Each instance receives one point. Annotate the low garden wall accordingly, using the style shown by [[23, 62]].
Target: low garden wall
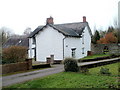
[[98, 64], [46, 65], [14, 67], [51, 60], [71, 64], [100, 48]]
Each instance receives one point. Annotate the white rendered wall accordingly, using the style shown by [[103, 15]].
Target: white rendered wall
[[72, 42], [49, 41], [87, 41], [77, 43]]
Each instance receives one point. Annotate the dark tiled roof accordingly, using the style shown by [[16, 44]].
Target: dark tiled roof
[[16, 41], [65, 31], [69, 29], [36, 31]]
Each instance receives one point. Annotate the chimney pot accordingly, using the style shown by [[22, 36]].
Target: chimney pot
[[49, 20], [84, 18]]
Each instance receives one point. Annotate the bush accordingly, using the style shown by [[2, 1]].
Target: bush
[[84, 70], [104, 71], [70, 64], [113, 55], [14, 54]]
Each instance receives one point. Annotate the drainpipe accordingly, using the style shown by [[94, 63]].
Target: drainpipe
[[35, 48], [63, 46]]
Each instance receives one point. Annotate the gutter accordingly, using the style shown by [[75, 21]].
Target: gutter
[[63, 47]]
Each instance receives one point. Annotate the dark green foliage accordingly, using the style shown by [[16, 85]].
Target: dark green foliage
[[102, 33], [110, 29], [95, 37], [104, 71], [6, 62], [70, 64], [112, 86], [84, 70], [41, 66], [114, 55]]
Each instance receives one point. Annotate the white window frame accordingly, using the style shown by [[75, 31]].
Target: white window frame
[[73, 52], [82, 39], [83, 50]]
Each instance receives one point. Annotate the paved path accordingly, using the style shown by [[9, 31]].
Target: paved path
[[17, 78], [93, 62]]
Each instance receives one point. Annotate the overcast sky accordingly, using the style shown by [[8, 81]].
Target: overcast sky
[[20, 14]]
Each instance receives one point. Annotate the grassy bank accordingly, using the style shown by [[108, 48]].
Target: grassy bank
[[95, 56], [113, 68], [75, 80]]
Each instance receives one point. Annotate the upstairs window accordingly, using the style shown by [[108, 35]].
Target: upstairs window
[[82, 50], [82, 39], [34, 41]]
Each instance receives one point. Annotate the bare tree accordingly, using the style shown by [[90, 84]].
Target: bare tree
[[27, 31], [5, 33]]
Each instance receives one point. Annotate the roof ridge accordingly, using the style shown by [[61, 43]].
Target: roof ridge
[[71, 29], [71, 23]]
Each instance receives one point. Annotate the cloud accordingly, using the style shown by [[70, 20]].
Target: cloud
[[20, 14]]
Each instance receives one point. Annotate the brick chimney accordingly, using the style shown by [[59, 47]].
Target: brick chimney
[[84, 18], [49, 20]]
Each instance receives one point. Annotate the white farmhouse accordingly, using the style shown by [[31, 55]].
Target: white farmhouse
[[60, 40]]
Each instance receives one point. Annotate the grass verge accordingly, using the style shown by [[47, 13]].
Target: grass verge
[[113, 68], [75, 80], [95, 56]]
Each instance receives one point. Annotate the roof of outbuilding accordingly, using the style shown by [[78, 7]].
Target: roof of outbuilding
[[16, 41], [68, 29]]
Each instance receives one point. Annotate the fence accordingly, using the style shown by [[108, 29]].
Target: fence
[[14, 67]]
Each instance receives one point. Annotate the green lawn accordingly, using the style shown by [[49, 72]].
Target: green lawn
[[95, 56], [75, 80], [113, 68]]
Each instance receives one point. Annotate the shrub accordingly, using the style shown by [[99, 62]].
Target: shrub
[[70, 64], [104, 71], [84, 70], [113, 55], [14, 54]]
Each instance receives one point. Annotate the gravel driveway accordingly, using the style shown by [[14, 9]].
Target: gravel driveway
[[17, 78]]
